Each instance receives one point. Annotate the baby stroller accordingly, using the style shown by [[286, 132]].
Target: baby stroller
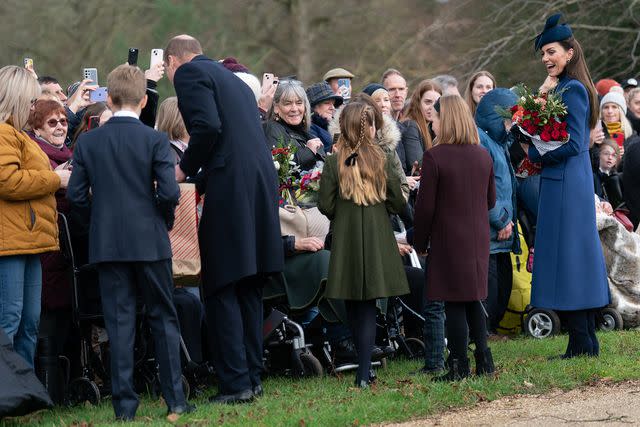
[[93, 381], [536, 322]]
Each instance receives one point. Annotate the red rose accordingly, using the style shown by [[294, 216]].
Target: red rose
[[534, 114], [537, 121], [545, 136], [514, 108], [527, 123], [563, 135], [555, 134]]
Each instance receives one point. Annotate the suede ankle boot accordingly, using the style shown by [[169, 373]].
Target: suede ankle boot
[[458, 370], [484, 362]]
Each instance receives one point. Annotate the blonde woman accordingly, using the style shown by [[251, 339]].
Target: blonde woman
[[451, 215], [613, 113], [480, 83], [358, 190], [28, 217], [170, 121]]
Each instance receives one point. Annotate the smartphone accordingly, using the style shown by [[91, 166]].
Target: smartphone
[[157, 56], [28, 62], [94, 122], [268, 79], [98, 95], [133, 56], [344, 88], [91, 74], [67, 165]]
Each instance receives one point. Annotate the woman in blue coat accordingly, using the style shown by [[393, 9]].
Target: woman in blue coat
[[569, 273]]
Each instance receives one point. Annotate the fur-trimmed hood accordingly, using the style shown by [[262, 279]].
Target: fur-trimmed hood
[[388, 137]]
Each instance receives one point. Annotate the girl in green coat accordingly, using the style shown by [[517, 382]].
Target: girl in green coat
[[358, 190]]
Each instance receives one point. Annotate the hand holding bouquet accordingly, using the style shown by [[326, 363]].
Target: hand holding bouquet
[[541, 117]]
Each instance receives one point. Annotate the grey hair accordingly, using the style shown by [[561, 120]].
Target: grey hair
[[287, 90], [446, 81]]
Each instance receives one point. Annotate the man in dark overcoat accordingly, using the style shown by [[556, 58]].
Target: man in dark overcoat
[[239, 233]]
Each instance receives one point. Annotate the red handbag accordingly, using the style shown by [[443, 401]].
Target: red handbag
[[621, 216]]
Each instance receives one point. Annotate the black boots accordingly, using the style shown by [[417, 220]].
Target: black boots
[[484, 362], [458, 370], [459, 367]]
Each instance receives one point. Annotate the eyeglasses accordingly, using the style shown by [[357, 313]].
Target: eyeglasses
[[54, 123]]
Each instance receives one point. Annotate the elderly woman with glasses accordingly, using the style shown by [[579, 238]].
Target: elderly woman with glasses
[[27, 211], [288, 123]]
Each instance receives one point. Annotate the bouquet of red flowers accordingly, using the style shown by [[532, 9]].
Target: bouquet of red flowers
[[541, 117], [309, 187], [288, 172]]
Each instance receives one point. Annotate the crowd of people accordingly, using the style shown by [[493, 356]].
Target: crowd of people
[[437, 160]]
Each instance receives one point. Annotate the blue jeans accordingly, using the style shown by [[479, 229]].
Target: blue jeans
[[20, 289]]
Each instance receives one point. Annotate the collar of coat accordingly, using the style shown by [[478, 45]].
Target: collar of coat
[[388, 137]]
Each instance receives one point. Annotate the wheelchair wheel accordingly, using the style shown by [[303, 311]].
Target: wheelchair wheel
[[311, 365], [415, 348], [83, 390], [542, 323], [610, 320]]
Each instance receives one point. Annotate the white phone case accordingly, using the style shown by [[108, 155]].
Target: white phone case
[[156, 57], [92, 74]]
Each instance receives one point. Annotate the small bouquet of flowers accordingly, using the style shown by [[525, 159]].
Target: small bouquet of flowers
[[309, 186], [288, 172], [541, 117]]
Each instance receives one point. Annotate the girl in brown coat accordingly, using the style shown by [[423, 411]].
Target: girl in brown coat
[[457, 190]]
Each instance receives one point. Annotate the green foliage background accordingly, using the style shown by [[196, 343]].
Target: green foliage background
[[305, 38]]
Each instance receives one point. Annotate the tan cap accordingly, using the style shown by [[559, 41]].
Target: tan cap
[[337, 73]]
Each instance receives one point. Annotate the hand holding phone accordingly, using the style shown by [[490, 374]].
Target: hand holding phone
[[344, 88], [28, 64]]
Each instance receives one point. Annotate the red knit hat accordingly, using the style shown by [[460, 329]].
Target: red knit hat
[[604, 86], [234, 66]]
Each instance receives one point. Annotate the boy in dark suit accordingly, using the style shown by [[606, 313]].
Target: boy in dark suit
[[125, 171]]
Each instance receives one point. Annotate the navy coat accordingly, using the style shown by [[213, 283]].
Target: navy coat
[[240, 230], [495, 139], [119, 163], [569, 272]]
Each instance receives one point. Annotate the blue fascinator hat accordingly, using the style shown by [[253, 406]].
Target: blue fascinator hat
[[553, 31]]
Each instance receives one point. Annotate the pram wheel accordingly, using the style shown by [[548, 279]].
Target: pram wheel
[[610, 319], [83, 390], [415, 348], [542, 323], [311, 366]]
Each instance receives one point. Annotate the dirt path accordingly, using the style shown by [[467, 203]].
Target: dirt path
[[602, 404]]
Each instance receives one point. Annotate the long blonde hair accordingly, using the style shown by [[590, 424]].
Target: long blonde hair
[[364, 181], [456, 124], [18, 90], [170, 120]]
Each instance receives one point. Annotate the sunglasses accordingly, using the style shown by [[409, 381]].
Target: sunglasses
[[54, 123]]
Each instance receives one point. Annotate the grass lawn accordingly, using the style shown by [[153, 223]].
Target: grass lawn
[[398, 396]]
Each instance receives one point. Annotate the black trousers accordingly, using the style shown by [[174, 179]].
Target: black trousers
[[234, 319], [119, 285], [464, 320], [581, 325], [499, 291]]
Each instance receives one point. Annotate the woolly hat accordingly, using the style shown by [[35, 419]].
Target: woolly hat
[[251, 81], [630, 83], [233, 65], [372, 88], [604, 85], [320, 92], [616, 98], [553, 31], [337, 73]]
